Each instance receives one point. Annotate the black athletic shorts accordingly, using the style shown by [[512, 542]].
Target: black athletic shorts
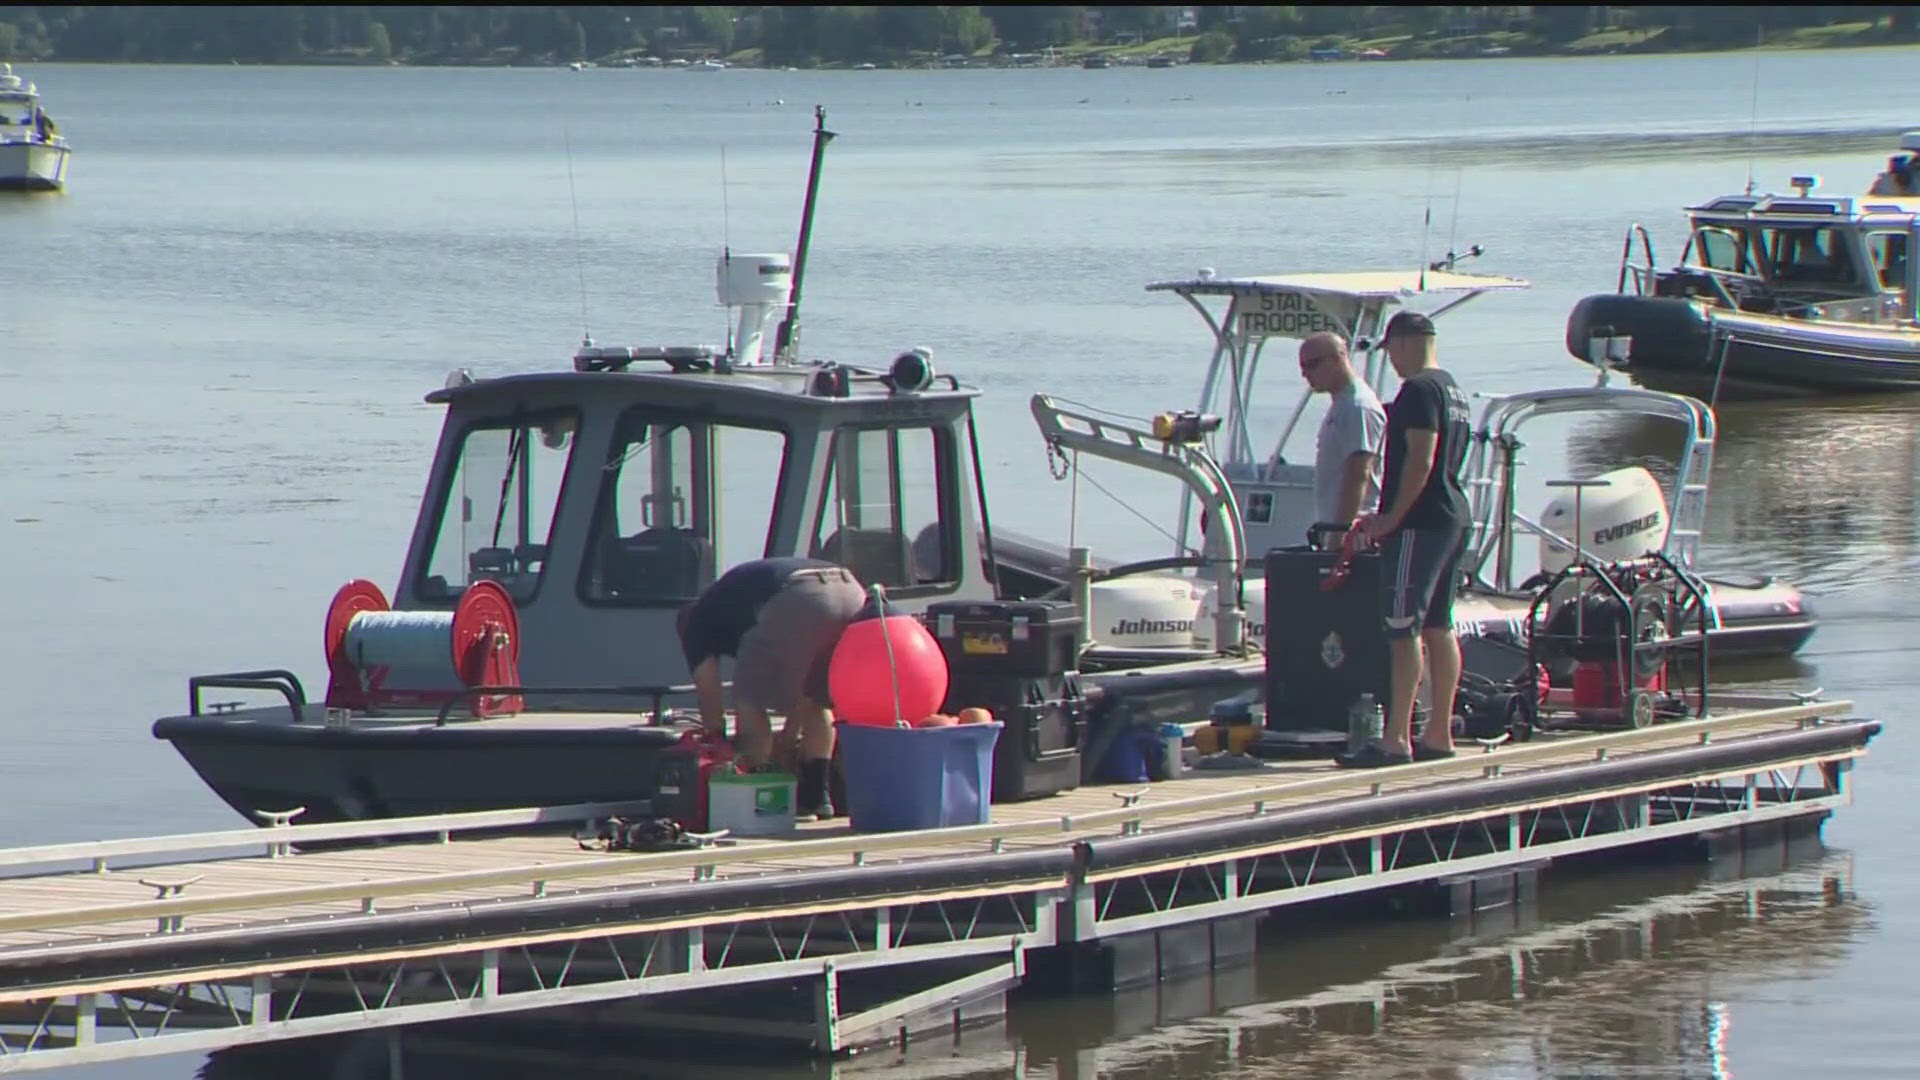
[[1419, 573]]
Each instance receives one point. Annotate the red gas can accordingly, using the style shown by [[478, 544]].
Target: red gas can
[[680, 776], [1597, 683]]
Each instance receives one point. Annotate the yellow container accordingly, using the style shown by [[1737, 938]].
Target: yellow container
[[1206, 740], [1242, 736]]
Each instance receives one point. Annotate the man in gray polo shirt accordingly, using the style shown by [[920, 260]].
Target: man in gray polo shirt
[[1346, 465]]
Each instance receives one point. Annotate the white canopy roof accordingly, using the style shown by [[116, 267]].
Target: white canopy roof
[[1362, 284]]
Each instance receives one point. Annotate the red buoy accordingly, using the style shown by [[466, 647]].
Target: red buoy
[[876, 656]]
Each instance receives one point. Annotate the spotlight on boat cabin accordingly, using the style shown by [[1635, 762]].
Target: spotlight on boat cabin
[[911, 371], [1184, 427], [458, 378], [1805, 184]]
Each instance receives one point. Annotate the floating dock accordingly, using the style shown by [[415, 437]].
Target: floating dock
[[831, 940]]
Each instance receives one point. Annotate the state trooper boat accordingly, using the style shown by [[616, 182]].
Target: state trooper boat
[[1156, 604], [568, 515], [1774, 294]]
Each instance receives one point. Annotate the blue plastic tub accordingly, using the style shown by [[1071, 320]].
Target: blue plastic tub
[[900, 779], [1126, 760]]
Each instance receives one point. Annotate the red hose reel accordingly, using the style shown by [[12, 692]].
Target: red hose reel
[[379, 658]]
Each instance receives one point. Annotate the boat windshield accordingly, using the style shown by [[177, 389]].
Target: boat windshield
[[1809, 255], [679, 499], [497, 512], [1726, 249]]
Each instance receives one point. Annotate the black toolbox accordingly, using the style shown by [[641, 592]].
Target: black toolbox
[[1016, 659], [1030, 638], [1325, 646]]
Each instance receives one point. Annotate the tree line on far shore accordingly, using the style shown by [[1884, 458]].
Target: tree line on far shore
[[810, 36]]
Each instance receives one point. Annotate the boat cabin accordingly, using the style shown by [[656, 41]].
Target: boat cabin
[[606, 497], [1273, 481], [1812, 255], [21, 117]]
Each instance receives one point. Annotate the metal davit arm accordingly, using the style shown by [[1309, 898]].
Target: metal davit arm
[[1186, 462]]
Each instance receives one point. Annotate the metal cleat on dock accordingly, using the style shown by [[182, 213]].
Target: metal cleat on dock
[[169, 890]]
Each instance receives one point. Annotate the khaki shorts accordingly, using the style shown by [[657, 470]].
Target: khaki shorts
[[784, 655]]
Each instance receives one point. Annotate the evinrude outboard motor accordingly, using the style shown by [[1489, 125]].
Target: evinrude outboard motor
[[1622, 515]]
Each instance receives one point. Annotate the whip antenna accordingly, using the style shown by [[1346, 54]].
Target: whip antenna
[[726, 228], [579, 265], [726, 235], [1753, 111]]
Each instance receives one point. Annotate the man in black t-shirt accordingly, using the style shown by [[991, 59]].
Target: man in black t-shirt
[[1422, 532], [779, 619]]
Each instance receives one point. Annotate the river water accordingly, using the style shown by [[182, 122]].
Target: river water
[[216, 344]]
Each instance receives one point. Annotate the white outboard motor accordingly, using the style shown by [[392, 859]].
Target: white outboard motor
[[1253, 594], [1146, 611], [1623, 520], [760, 286]]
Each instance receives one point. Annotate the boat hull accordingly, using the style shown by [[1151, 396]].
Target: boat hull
[[270, 760], [1766, 355], [259, 760], [33, 166], [1761, 620]]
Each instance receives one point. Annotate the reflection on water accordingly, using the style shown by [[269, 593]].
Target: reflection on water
[[1822, 494], [1607, 977], [1562, 148]]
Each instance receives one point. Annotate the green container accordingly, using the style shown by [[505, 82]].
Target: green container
[[750, 804]]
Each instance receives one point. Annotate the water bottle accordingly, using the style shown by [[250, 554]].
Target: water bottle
[[1361, 723], [1171, 736]]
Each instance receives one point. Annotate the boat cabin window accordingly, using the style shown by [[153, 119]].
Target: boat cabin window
[[1889, 253], [497, 512], [885, 513], [1809, 255], [1719, 248], [679, 501]]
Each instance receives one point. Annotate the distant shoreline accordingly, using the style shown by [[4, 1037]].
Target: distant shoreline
[[994, 63]]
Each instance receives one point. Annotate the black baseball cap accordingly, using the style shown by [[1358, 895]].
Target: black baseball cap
[[1408, 322]]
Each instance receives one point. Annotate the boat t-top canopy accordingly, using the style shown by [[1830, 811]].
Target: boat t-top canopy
[[1362, 283], [1355, 305]]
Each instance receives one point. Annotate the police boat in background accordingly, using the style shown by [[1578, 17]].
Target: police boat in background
[[33, 153], [1160, 604], [1775, 294]]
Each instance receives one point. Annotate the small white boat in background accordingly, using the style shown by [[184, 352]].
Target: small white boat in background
[[709, 64], [33, 154]]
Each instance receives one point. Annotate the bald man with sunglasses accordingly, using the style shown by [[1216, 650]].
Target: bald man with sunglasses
[[1346, 466]]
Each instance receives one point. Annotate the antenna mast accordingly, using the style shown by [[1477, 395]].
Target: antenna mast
[[786, 341], [1753, 114]]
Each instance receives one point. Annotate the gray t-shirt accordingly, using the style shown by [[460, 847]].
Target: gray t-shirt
[[1355, 423]]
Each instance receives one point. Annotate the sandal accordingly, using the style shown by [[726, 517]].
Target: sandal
[[1371, 756]]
